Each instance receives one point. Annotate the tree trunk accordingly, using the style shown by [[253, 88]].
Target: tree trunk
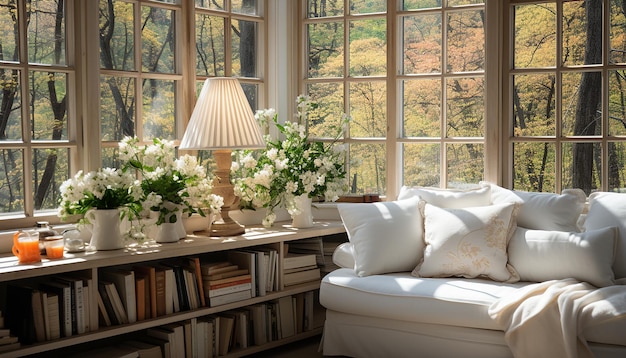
[[588, 100]]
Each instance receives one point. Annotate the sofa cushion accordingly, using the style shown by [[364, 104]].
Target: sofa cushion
[[544, 211], [447, 301], [386, 236], [539, 255], [469, 242], [449, 198], [343, 256], [605, 210]]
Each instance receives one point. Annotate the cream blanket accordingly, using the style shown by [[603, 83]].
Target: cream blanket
[[547, 319]]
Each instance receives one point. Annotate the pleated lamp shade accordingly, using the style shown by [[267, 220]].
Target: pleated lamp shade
[[222, 118]]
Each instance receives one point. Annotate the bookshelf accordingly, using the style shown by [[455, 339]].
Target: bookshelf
[[88, 264]]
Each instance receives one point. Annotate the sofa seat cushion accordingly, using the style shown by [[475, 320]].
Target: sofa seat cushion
[[450, 301]]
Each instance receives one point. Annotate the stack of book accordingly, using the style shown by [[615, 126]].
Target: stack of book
[[323, 250], [227, 282], [299, 268]]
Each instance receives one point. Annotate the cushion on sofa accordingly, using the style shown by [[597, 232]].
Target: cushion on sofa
[[539, 255], [544, 211], [605, 210], [468, 242], [343, 256], [386, 236], [449, 198]]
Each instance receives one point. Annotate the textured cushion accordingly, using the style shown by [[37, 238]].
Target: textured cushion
[[469, 242], [544, 211], [605, 210], [386, 236], [539, 255], [449, 198]]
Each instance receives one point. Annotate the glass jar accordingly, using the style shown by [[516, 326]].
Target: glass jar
[[44, 230]]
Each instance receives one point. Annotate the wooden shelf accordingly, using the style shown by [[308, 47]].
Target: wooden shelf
[[193, 245]]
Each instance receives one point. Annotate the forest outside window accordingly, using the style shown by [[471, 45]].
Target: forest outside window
[[567, 95]]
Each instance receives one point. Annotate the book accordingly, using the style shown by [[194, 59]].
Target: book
[[258, 323], [161, 343], [226, 326], [179, 337], [197, 269], [38, 315], [213, 285], [90, 307], [223, 275], [124, 281], [295, 278], [166, 335], [211, 268], [10, 347], [192, 289], [230, 288], [285, 317], [299, 312], [103, 313], [244, 260], [116, 301], [142, 304], [8, 340], [144, 349], [183, 297], [77, 299], [150, 273], [54, 323], [109, 310], [230, 297], [63, 291], [160, 291], [292, 260], [298, 269]]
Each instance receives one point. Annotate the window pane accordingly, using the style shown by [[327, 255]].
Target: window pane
[[158, 40], [617, 102], [617, 170], [368, 48], [323, 8], [323, 120], [466, 163], [117, 107], [464, 2], [46, 32], [535, 40], [367, 6], [9, 34], [368, 109], [159, 109], [50, 169], [533, 167], [465, 107], [422, 108], [249, 7], [325, 49], [210, 4], [252, 94], [10, 115], [244, 48], [581, 169], [420, 4], [574, 33], [48, 105], [421, 164], [110, 158], [117, 35], [422, 44], [533, 105], [11, 181], [367, 168], [617, 33], [579, 117], [466, 41], [209, 45]]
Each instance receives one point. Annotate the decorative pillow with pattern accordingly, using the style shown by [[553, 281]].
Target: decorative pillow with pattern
[[468, 242]]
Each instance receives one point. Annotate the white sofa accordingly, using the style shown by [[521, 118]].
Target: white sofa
[[440, 273]]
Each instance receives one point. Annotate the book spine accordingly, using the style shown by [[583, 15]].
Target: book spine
[[228, 284], [230, 289], [233, 297]]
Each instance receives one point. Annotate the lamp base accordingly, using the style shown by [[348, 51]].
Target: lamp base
[[227, 227]]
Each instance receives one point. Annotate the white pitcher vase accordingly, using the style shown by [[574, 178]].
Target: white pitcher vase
[[105, 233], [305, 218], [171, 231]]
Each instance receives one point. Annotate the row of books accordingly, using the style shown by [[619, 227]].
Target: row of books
[[131, 294], [60, 306], [220, 334]]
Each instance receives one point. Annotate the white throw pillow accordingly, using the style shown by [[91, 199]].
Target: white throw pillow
[[539, 255], [386, 236], [544, 211], [469, 242], [449, 198], [605, 210]]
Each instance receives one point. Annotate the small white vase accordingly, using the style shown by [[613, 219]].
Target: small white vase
[[105, 233], [305, 218], [171, 231]]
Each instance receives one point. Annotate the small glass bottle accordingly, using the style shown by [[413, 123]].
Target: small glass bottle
[[44, 229]]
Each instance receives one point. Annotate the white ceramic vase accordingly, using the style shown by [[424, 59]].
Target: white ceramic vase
[[105, 233], [305, 218], [171, 231]]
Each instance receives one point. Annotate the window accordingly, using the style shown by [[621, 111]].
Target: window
[[565, 96], [417, 98], [37, 121]]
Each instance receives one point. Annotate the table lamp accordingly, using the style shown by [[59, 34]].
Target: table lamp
[[222, 120]]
